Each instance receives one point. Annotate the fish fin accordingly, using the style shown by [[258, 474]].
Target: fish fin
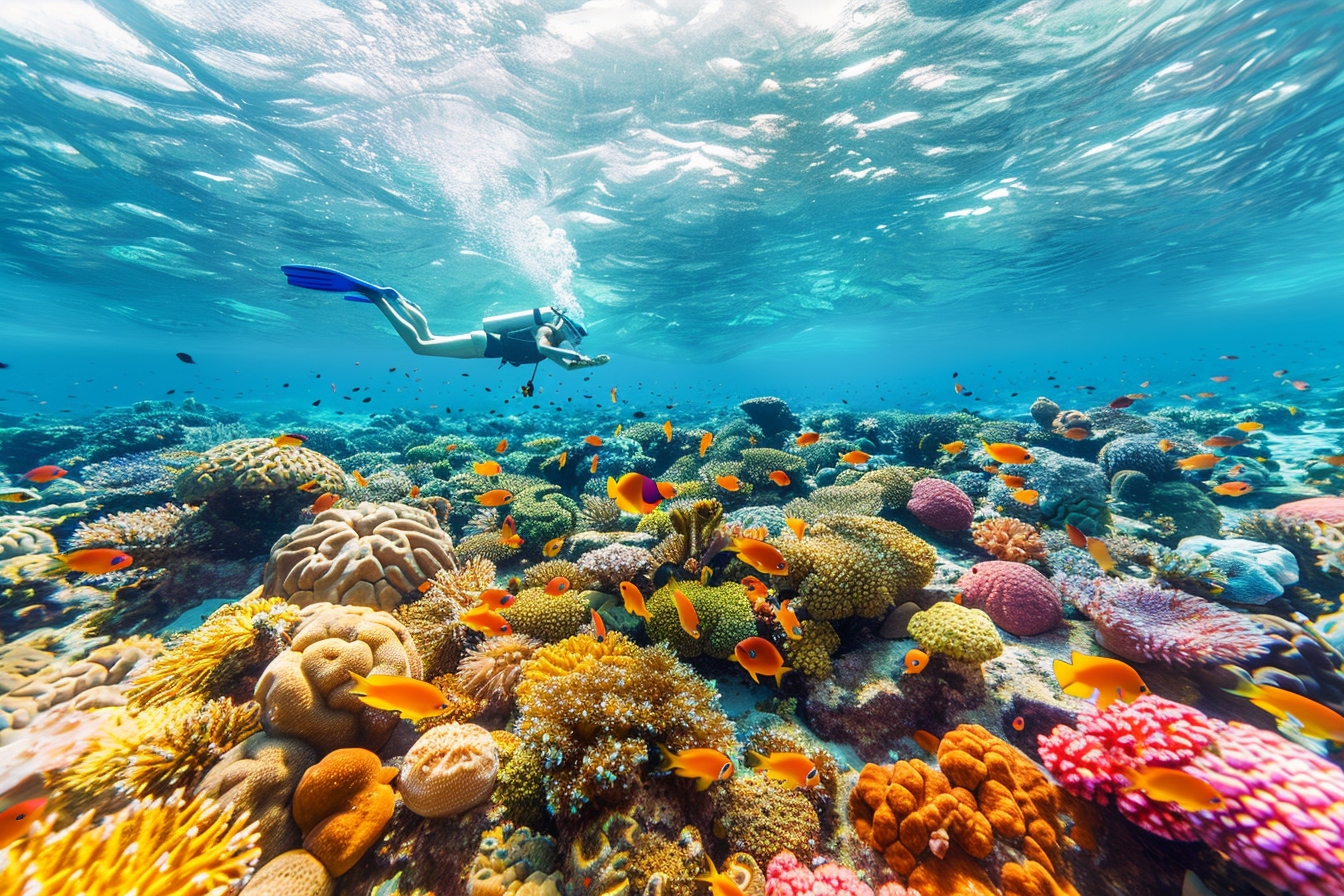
[[713, 872], [611, 488], [752, 673], [669, 759], [1064, 673], [754, 759], [377, 703], [361, 684], [779, 676], [703, 783], [1134, 780], [1246, 687]]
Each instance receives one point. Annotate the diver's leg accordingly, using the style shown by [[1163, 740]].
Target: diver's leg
[[413, 329]]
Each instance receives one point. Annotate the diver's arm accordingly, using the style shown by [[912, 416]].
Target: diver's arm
[[565, 354], [413, 328]]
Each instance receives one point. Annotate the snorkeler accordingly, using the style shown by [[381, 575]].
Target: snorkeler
[[520, 338]]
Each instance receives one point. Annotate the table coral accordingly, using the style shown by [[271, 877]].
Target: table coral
[[590, 711], [964, 634], [256, 467], [1019, 599], [373, 555], [940, 505], [855, 566], [258, 777], [1283, 817], [786, 876], [306, 691], [1005, 538], [166, 847], [450, 769], [725, 618], [342, 805]]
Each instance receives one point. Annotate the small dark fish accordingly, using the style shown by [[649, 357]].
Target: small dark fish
[[3, 365], [318, 402], [170, 392], [1123, 401], [1227, 357], [285, 386], [185, 358], [391, 370]]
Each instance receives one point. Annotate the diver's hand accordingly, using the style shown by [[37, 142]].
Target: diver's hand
[[590, 362]]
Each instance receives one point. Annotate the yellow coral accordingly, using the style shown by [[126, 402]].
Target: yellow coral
[[166, 847], [257, 467], [201, 658], [811, 654], [764, 818], [547, 617], [725, 618], [960, 632], [540, 574]]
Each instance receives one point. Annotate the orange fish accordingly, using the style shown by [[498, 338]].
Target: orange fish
[[1028, 496], [796, 526], [1109, 679], [990, 468], [1006, 453], [855, 457], [634, 601], [497, 598], [759, 556], [360, 480], [807, 438], [958, 388], [1293, 710], [411, 698], [1171, 785], [452, 447], [1222, 442], [1187, 397], [1019, 723], [720, 884], [1206, 394], [1233, 489], [1220, 379], [592, 467], [1301, 385], [794, 769], [1013, 481], [1100, 553], [788, 620], [613, 394], [756, 589], [1250, 426], [323, 502], [502, 446], [487, 468], [759, 656], [497, 497], [1075, 433], [15, 821], [289, 440], [1143, 385], [953, 448], [1138, 395], [309, 486], [915, 661], [1281, 373], [637, 493], [705, 441], [1076, 536], [508, 533], [415, 491], [599, 627], [686, 615], [702, 765], [557, 586], [780, 478], [928, 742], [1198, 462], [731, 483], [487, 621], [1236, 471], [595, 441], [553, 546], [95, 561], [667, 429], [1334, 460], [44, 474], [562, 458], [1165, 445]]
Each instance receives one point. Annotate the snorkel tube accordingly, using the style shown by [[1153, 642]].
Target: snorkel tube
[[572, 330]]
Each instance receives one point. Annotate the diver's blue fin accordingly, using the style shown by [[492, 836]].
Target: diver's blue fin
[[359, 299], [328, 280]]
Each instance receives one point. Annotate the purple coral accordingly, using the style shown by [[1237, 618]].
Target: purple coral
[[1144, 623], [616, 563], [1019, 599], [1284, 812], [941, 506]]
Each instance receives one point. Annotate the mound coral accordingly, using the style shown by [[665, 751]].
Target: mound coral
[[153, 537], [1140, 453], [786, 876], [1005, 538], [306, 691], [590, 710], [1019, 599], [940, 505], [53, 684], [294, 873], [450, 769], [725, 618], [771, 414], [547, 617], [539, 574], [764, 818], [1144, 623], [811, 654], [373, 555], [1282, 817], [1256, 573], [22, 540], [256, 467], [855, 566], [258, 777], [759, 463], [963, 633], [166, 847], [1329, 509], [490, 671], [609, 566], [342, 805], [895, 484]]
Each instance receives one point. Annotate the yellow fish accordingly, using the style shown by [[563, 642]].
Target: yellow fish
[[1250, 426], [553, 546], [794, 769], [563, 458], [412, 698], [1292, 710], [289, 440], [617, 432], [721, 884], [634, 601], [667, 429], [796, 526], [686, 615], [1100, 553], [1109, 679], [486, 468], [954, 448], [1171, 785]]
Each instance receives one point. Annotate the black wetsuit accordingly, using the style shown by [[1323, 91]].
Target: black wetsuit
[[516, 347]]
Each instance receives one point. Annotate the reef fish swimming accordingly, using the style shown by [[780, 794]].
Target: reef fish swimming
[[1171, 785], [794, 769], [411, 698], [633, 599], [15, 820], [759, 657], [704, 766], [1110, 680]]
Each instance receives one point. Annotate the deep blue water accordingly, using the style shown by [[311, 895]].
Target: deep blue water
[[821, 200]]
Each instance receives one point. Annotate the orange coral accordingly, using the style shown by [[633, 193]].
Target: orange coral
[[342, 805], [1005, 538], [929, 823]]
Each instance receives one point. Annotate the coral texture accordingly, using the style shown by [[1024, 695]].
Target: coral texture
[[615, 563], [342, 805], [1329, 509], [1005, 538], [258, 777], [294, 873], [962, 633], [257, 467], [1019, 599], [448, 770], [547, 617], [940, 505], [786, 876], [724, 612]]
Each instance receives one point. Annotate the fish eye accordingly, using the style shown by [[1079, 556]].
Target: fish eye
[[812, 774], [752, 654], [726, 770], [797, 629], [21, 816]]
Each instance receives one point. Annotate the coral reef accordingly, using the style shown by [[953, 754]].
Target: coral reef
[[786, 876], [1005, 538], [490, 671], [153, 537], [342, 805], [771, 414], [964, 634], [547, 617], [764, 818], [539, 574], [940, 505], [515, 861], [724, 612], [1019, 599], [258, 777], [256, 467], [811, 654], [450, 769], [609, 566], [1255, 573]]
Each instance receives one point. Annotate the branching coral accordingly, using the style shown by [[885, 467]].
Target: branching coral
[[1005, 538], [855, 566], [724, 613], [165, 847], [590, 710], [153, 537]]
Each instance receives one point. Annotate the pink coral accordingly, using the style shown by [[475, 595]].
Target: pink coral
[[787, 877], [1284, 817], [940, 505], [1329, 509], [1144, 623], [1019, 599]]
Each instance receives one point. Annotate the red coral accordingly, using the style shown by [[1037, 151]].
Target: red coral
[[940, 505], [786, 877], [1019, 599], [1329, 509]]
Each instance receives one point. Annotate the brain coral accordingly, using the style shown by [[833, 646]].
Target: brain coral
[[373, 555], [450, 769], [342, 805], [259, 776], [959, 632], [305, 691], [725, 618], [940, 505], [1019, 599], [855, 566], [591, 710], [257, 467]]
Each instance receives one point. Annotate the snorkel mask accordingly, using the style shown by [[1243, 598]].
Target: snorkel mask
[[572, 331]]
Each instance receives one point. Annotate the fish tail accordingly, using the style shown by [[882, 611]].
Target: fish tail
[[713, 872], [669, 758], [1135, 783], [754, 759], [1245, 687], [1064, 673], [779, 676], [361, 685]]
